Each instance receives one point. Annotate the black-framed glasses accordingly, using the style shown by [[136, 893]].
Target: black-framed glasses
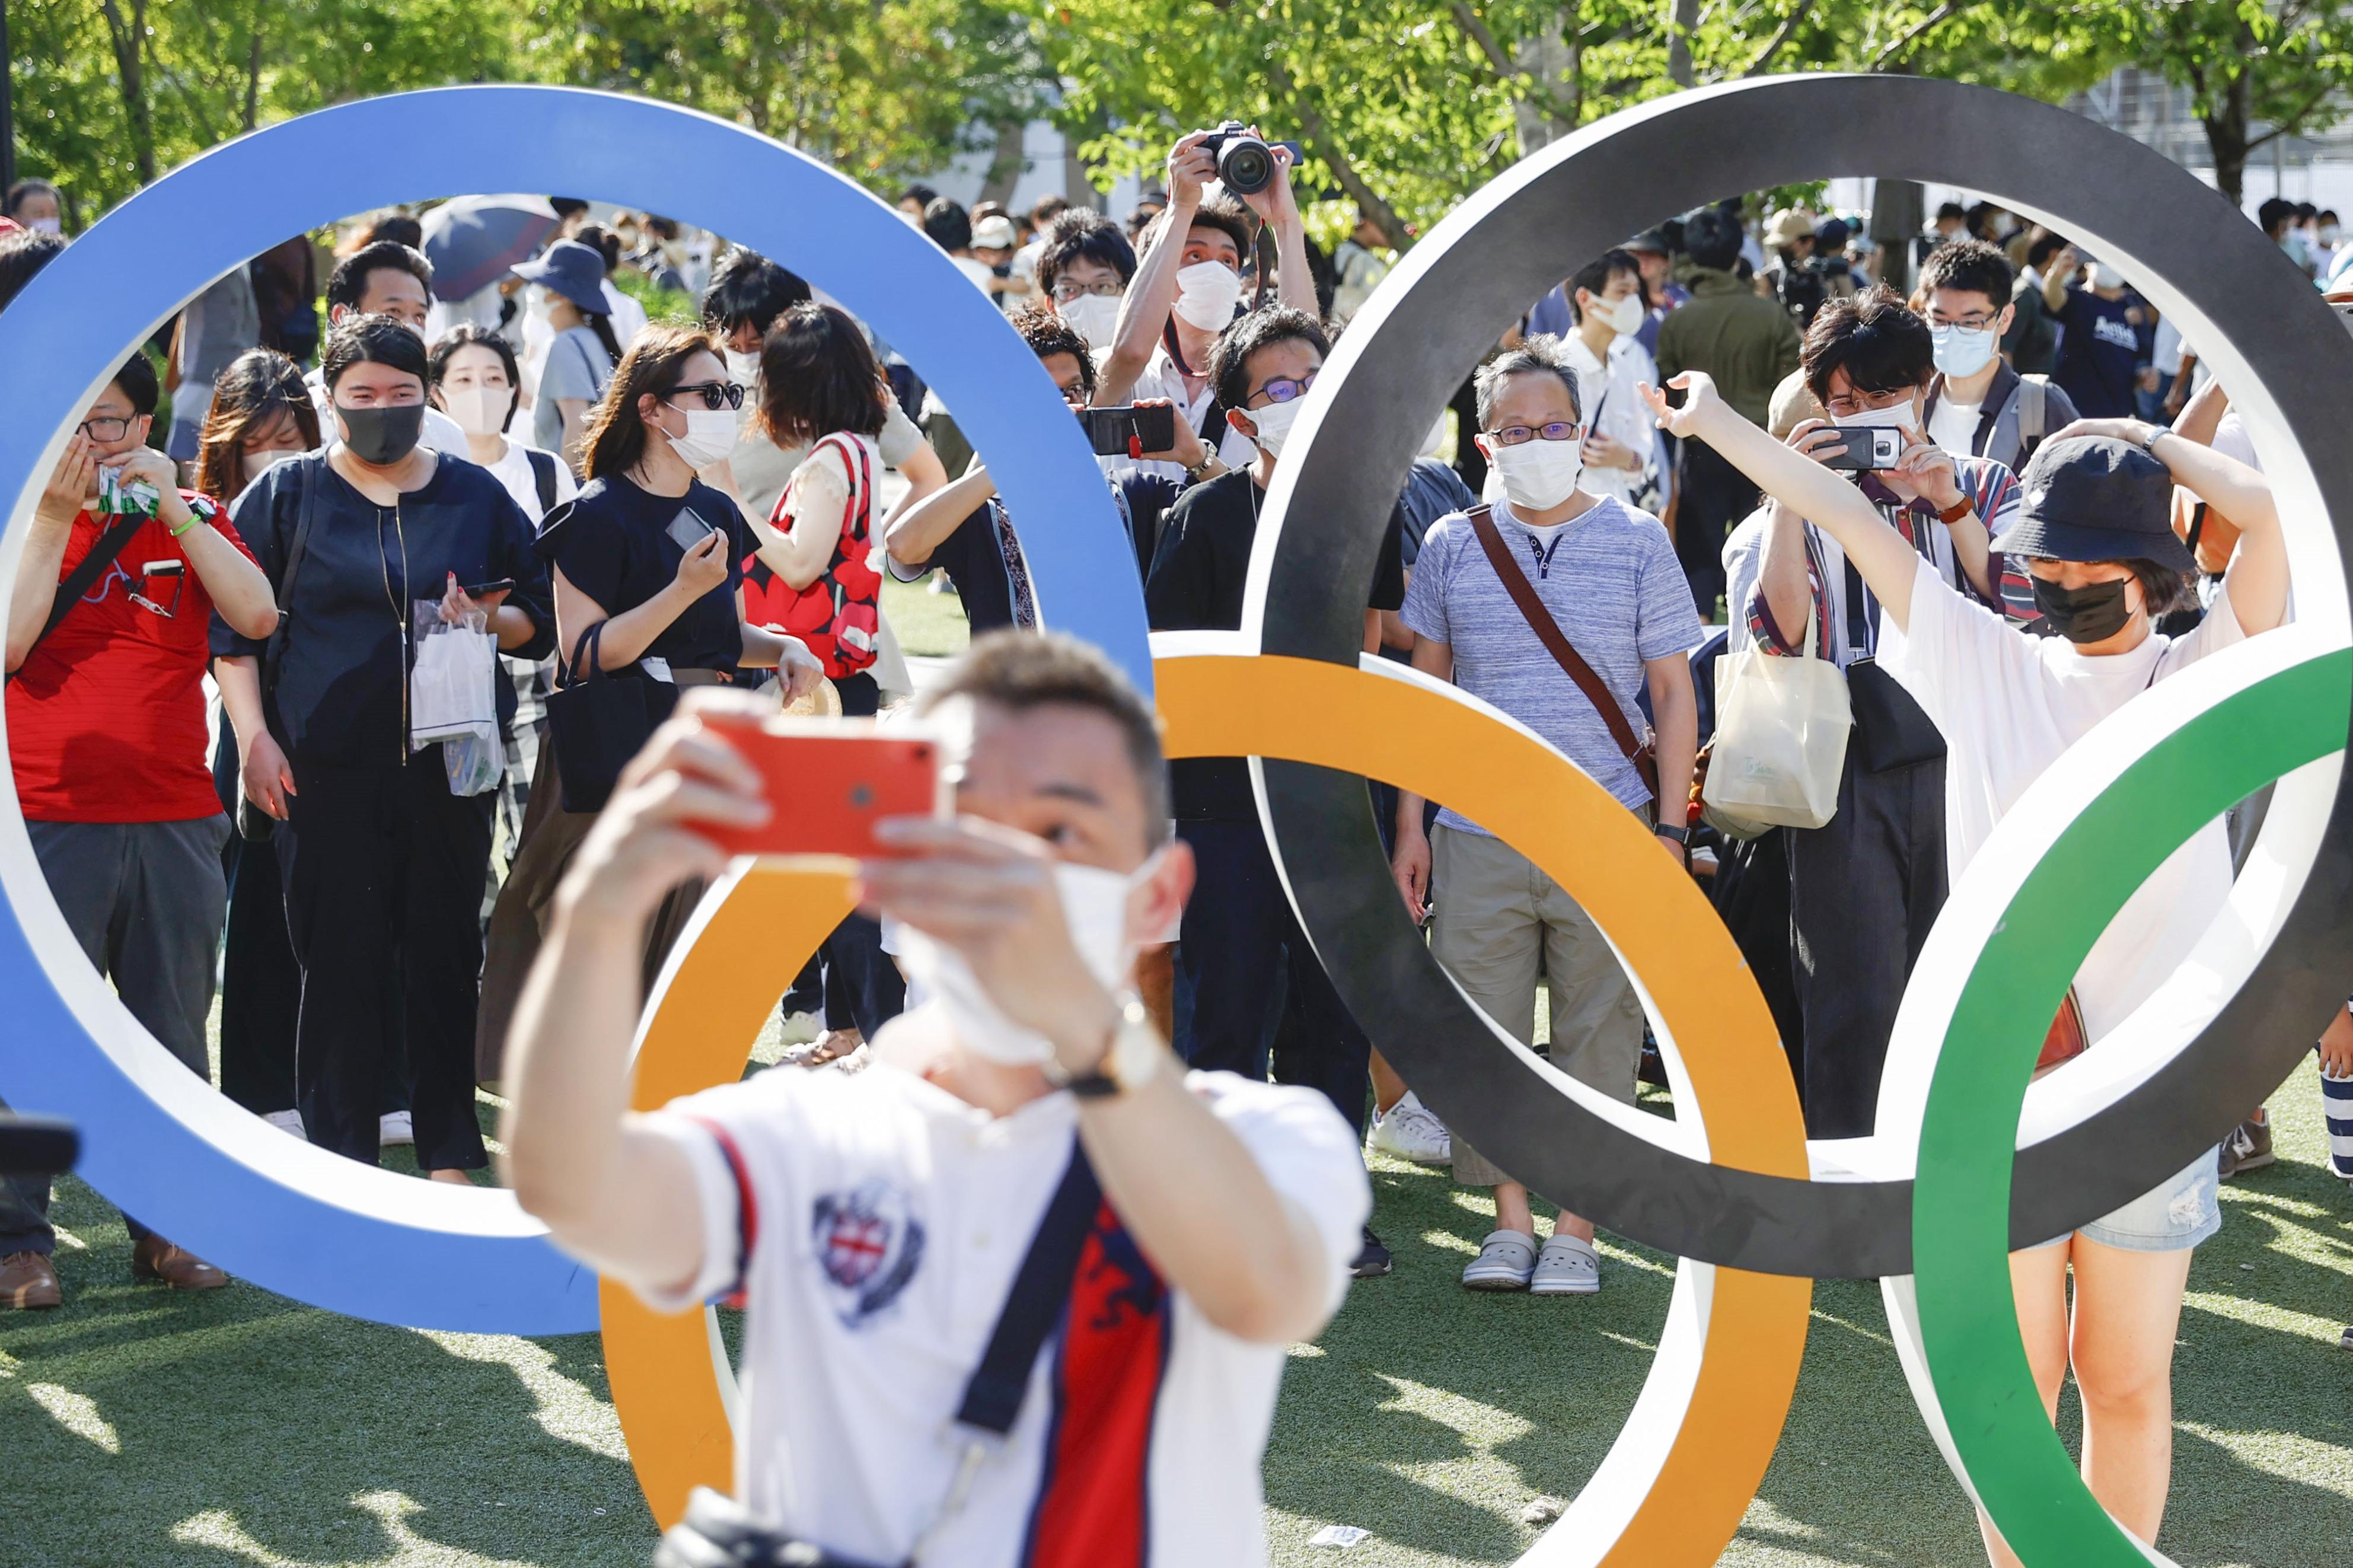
[[1283, 389], [1972, 323], [1516, 435], [714, 393], [105, 429], [1066, 289]]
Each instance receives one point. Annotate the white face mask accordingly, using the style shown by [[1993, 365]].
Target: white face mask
[[2329, 235], [45, 225], [1095, 908], [709, 436], [1273, 424], [1624, 316], [1093, 317], [1962, 352], [478, 410], [1206, 293], [2106, 277], [1894, 416], [1538, 475], [535, 300], [743, 369]]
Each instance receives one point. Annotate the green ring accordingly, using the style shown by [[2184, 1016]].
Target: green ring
[[1968, 1317]]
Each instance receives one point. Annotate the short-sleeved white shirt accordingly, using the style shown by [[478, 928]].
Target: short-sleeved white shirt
[[1160, 378], [888, 1219], [2008, 705], [514, 469]]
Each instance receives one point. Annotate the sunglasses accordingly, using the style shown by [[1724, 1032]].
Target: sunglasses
[[714, 393]]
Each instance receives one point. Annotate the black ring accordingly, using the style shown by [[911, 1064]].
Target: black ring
[[1445, 306]]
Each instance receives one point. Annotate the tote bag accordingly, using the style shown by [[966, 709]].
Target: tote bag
[[1781, 729], [599, 721]]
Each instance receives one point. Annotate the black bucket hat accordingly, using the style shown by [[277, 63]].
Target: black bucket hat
[[2096, 498]]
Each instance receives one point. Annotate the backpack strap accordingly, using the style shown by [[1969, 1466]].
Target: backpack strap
[[2034, 414], [542, 473]]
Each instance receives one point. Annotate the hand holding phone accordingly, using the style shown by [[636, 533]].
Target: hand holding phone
[[1867, 447], [828, 783], [1131, 429]]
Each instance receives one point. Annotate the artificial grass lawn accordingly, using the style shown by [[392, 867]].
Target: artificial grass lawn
[[929, 625], [139, 1427]]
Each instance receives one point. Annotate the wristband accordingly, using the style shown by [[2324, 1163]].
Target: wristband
[[195, 517], [1956, 511], [1675, 831]]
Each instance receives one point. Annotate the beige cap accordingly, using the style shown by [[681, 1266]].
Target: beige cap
[[1793, 404]]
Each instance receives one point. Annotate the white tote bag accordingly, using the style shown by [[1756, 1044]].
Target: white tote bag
[[1781, 729]]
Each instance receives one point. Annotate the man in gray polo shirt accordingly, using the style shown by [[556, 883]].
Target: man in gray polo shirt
[[1607, 576]]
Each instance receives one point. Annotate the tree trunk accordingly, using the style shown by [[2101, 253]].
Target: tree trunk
[[8, 109], [1006, 164], [2226, 137], [1679, 57], [1544, 57], [129, 39]]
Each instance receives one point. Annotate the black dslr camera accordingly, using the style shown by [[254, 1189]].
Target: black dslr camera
[[1245, 163]]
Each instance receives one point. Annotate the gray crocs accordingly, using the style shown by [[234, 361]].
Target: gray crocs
[[1505, 1260], [1567, 1268]]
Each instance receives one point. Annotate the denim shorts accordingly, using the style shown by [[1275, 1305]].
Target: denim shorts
[[2175, 1215]]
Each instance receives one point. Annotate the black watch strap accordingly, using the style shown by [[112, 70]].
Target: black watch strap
[[1675, 831]]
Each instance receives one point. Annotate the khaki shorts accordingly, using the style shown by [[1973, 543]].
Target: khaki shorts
[[1502, 925]]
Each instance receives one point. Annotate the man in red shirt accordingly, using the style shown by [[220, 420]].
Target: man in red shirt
[[106, 736]]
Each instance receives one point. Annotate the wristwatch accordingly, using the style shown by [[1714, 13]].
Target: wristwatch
[[1134, 1055], [2156, 435], [1675, 831], [1956, 511], [1193, 472]]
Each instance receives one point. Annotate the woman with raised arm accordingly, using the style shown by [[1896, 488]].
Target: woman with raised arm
[[2093, 532]]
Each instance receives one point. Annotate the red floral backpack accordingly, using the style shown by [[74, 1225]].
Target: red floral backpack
[[836, 615]]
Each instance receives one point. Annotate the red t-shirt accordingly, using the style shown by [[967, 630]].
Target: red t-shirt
[[106, 719]]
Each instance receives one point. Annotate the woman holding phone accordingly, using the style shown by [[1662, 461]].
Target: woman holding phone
[[650, 559], [2095, 532]]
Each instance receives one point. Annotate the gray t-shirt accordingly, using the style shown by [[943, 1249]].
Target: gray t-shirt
[[762, 469], [1612, 583], [577, 366]]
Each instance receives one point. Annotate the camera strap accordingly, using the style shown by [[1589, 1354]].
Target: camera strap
[[111, 543]]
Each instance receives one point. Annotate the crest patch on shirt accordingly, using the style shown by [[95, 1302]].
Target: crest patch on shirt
[[869, 1243]]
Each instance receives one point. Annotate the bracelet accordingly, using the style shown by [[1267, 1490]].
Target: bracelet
[[2150, 446], [193, 518], [1956, 511]]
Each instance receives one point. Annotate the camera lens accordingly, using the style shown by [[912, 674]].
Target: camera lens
[[1245, 166]]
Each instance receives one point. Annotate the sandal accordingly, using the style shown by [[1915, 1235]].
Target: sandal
[[1505, 1260]]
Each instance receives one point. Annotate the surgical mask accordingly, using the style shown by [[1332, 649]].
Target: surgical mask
[[381, 437], [2093, 613], [478, 410], [2329, 235], [535, 300], [45, 225], [1538, 475], [1206, 293], [2106, 277], [1962, 352], [1093, 317], [709, 436], [1273, 424], [1894, 416], [1095, 910], [258, 463], [743, 369], [1624, 316]]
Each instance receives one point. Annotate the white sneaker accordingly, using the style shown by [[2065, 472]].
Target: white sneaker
[[800, 1028], [1567, 1267], [287, 1121], [1410, 1130], [395, 1128]]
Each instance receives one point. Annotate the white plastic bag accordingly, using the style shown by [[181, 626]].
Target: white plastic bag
[[1781, 729], [453, 697]]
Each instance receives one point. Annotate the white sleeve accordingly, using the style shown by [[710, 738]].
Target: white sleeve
[[1954, 652], [721, 1210], [1311, 1159], [734, 1137], [2220, 629]]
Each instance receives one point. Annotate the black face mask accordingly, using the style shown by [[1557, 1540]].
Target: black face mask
[[381, 437], [2090, 614]]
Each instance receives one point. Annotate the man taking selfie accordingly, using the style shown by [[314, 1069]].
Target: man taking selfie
[[888, 1224]]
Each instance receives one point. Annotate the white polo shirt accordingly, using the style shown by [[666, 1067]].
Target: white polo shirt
[[887, 1219], [1160, 378]]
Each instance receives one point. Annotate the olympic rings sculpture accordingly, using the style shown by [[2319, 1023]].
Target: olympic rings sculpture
[[157, 1140]]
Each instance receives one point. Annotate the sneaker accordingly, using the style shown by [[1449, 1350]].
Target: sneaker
[[395, 1128], [1372, 1262], [289, 1121], [28, 1281], [800, 1028], [1567, 1267], [1505, 1260], [2249, 1148], [1410, 1130]]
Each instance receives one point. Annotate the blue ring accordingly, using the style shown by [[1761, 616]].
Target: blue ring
[[298, 1221]]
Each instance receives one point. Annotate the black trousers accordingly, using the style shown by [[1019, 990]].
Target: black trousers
[[1751, 894], [1713, 496], [382, 869], [861, 986], [262, 985], [1865, 889], [1250, 993]]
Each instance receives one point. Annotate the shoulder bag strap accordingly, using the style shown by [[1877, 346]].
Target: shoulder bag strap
[[1548, 633], [993, 1395], [101, 555], [542, 473], [305, 508]]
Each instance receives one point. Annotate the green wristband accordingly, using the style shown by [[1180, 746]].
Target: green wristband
[[193, 518]]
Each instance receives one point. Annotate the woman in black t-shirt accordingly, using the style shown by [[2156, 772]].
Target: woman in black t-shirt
[[656, 558]]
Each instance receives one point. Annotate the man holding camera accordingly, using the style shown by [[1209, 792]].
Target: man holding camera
[[106, 654], [1865, 886], [1189, 284], [1026, 1165]]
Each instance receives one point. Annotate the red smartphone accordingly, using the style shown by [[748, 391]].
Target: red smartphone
[[829, 781]]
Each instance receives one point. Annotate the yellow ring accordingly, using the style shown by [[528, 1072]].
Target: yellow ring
[[1702, 1435]]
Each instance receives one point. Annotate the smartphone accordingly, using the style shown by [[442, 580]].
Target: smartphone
[[504, 584], [1867, 447], [1153, 430], [688, 529], [829, 781]]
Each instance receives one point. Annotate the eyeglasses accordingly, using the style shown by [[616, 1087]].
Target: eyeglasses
[[1975, 322], [714, 393], [1066, 289], [1516, 435], [1283, 389], [104, 431]]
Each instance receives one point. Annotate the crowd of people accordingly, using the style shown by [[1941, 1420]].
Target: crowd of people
[[463, 585]]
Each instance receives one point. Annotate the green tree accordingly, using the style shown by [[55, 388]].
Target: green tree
[[2285, 66]]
